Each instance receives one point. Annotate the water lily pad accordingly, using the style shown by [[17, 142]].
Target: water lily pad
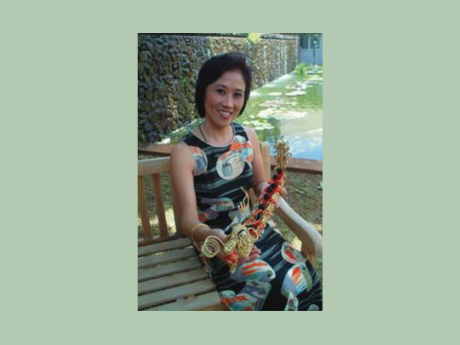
[[265, 126], [296, 93], [273, 103], [266, 113]]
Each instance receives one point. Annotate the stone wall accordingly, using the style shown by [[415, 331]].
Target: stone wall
[[168, 65]]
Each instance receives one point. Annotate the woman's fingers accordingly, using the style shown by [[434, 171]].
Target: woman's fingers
[[254, 255], [250, 258], [255, 250], [283, 192]]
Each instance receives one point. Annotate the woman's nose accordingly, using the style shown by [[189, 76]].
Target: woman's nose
[[228, 101]]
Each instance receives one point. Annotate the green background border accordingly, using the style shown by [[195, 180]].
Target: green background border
[[68, 135]]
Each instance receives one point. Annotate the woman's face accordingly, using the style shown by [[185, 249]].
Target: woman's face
[[224, 98]]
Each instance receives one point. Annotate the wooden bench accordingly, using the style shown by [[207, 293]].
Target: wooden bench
[[170, 274]]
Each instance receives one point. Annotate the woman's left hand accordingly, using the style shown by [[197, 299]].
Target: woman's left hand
[[254, 255]]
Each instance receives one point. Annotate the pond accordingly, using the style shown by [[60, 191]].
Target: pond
[[291, 106]]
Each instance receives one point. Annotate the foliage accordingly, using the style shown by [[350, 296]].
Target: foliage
[[140, 136], [302, 69], [254, 38], [184, 82]]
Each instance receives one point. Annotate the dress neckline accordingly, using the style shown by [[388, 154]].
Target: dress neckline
[[231, 142]]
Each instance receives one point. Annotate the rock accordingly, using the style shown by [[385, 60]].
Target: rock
[[145, 55], [146, 106], [151, 47]]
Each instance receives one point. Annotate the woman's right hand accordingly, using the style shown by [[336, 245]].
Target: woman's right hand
[[253, 255]]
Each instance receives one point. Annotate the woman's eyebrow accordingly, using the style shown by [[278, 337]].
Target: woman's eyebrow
[[225, 87]]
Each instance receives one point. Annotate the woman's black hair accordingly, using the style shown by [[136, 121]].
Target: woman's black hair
[[213, 69]]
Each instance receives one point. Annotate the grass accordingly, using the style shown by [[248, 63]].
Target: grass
[[304, 198]]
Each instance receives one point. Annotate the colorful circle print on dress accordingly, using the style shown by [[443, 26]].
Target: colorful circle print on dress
[[230, 165], [243, 147], [257, 270], [290, 254], [201, 161], [294, 280]]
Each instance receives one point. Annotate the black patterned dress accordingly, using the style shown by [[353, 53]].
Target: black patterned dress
[[281, 278]]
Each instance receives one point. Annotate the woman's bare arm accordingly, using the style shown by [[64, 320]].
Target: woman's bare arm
[[182, 170], [257, 162], [311, 239]]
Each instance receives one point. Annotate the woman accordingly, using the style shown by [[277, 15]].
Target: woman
[[209, 167]]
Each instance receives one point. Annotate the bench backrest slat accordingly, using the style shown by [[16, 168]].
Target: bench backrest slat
[[159, 207], [143, 209]]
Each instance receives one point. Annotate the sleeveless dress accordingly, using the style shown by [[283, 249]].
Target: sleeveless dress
[[281, 278]]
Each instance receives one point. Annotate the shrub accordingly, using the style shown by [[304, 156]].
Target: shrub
[[254, 38], [302, 69]]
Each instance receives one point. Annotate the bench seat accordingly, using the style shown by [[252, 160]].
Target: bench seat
[[171, 277]]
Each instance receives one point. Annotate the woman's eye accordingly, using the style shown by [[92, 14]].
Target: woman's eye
[[220, 91], [238, 95]]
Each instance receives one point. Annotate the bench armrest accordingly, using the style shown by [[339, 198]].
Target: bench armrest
[[312, 241]]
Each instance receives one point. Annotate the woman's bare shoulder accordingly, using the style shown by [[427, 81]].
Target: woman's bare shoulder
[[251, 134], [181, 157], [180, 148]]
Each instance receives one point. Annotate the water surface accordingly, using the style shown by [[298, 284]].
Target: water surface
[[291, 106]]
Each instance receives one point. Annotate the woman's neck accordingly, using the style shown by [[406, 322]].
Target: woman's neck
[[217, 135]]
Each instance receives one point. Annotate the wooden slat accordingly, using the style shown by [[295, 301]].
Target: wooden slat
[[153, 166], [159, 205], [143, 208], [217, 307], [265, 150], [159, 150], [252, 195], [161, 247], [209, 301], [171, 281], [164, 296], [157, 239], [165, 270], [166, 257], [175, 207]]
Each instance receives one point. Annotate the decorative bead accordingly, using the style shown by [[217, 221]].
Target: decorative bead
[[279, 170], [261, 206], [270, 189], [266, 196], [275, 177]]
